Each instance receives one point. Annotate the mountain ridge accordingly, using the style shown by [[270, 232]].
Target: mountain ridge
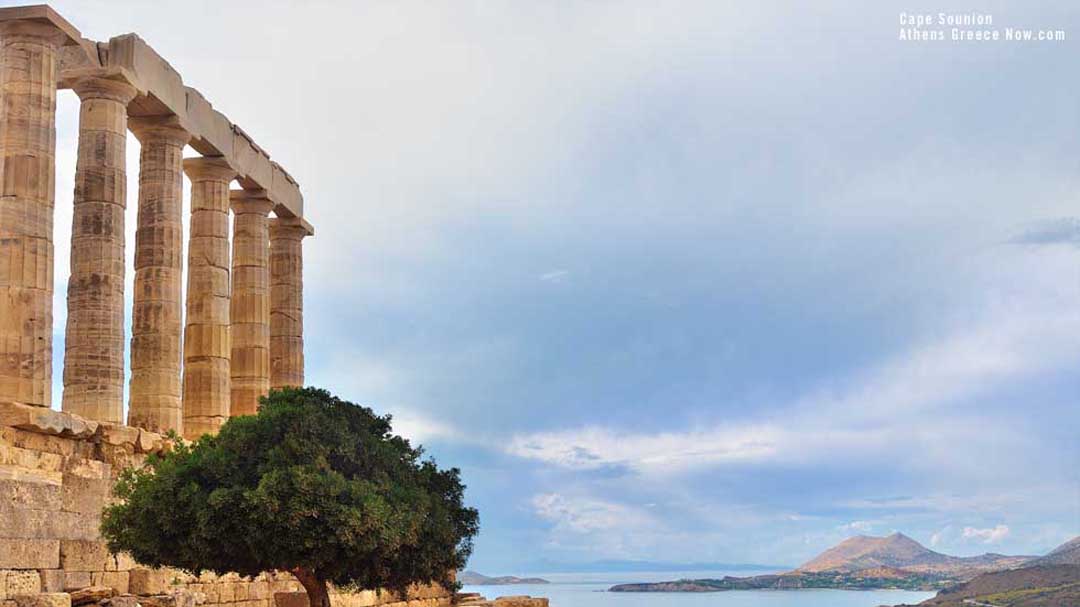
[[1065, 554], [862, 552], [858, 562]]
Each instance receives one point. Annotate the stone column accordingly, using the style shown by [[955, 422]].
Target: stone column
[[155, 328], [28, 50], [287, 301], [207, 387], [250, 305], [94, 342]]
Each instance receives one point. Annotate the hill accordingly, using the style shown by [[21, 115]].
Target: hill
[[866, 552], [1038, 586], [1065, 554], [473, 578], [860, 562], [901, 552]]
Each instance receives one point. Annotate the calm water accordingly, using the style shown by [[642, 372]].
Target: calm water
[[588, 590]]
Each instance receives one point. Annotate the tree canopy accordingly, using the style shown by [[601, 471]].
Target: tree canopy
[[311, 484]]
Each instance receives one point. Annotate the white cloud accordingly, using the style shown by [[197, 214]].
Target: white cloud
[[370, 381], [593, 448], [991, 535], [936, 538], [420, 428], [554, 276], [877, 413], [858, 526], [587, 515], [607, 527], [598, 527], [990, 502]]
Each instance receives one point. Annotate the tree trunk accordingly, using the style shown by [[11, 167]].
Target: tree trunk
[[317, 594]]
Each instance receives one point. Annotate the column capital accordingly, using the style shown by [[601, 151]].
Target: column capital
[[102, 84], [157, 128], [209, 168], [250, 201], [292, 228], [38, 22]]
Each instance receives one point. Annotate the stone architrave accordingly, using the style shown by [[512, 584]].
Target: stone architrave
[[156, 316], [94, 342]]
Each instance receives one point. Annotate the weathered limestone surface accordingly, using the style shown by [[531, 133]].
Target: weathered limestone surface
[[250, 304], [28, 55], [94, 343], [207, 347], [45, 421], [56, 472], [19, 582], [156, 330], [45, 599], [287, 302], [85, 595]]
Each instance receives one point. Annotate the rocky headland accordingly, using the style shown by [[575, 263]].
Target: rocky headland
[[861, 562], [473, 578]]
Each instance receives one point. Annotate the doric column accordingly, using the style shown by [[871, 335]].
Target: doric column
[[287, 301], [207, 391], [155, 327], [28, 49], [250, 304], [94, 343]]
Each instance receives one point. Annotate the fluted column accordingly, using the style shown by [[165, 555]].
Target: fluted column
[[250, 304], [287, 301], [207, 386], [94, 342], [155, 329], [28, 52]]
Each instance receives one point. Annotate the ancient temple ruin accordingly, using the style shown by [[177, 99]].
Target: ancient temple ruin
[[193, 363], [242, 329]]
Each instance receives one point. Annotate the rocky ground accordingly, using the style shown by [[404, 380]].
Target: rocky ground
[[474, 599], [1039, 586]]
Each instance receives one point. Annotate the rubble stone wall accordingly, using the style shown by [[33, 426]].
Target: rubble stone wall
[[56, 475]]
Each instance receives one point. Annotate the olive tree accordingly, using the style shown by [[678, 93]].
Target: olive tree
[[311, 484]]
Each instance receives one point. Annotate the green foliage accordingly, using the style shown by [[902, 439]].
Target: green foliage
[[311, 483], [1066, 594]]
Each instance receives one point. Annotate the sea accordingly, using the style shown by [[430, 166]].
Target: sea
[[590, 590]]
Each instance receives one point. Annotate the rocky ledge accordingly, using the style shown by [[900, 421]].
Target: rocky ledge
[[474, 599]]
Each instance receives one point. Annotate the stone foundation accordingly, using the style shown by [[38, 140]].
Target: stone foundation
[[56, 474]]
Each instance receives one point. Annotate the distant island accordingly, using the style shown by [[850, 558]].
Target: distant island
[[473, 578], [637, 566], [863, 562]]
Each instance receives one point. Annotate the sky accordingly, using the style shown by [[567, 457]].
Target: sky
[[678, 282]]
